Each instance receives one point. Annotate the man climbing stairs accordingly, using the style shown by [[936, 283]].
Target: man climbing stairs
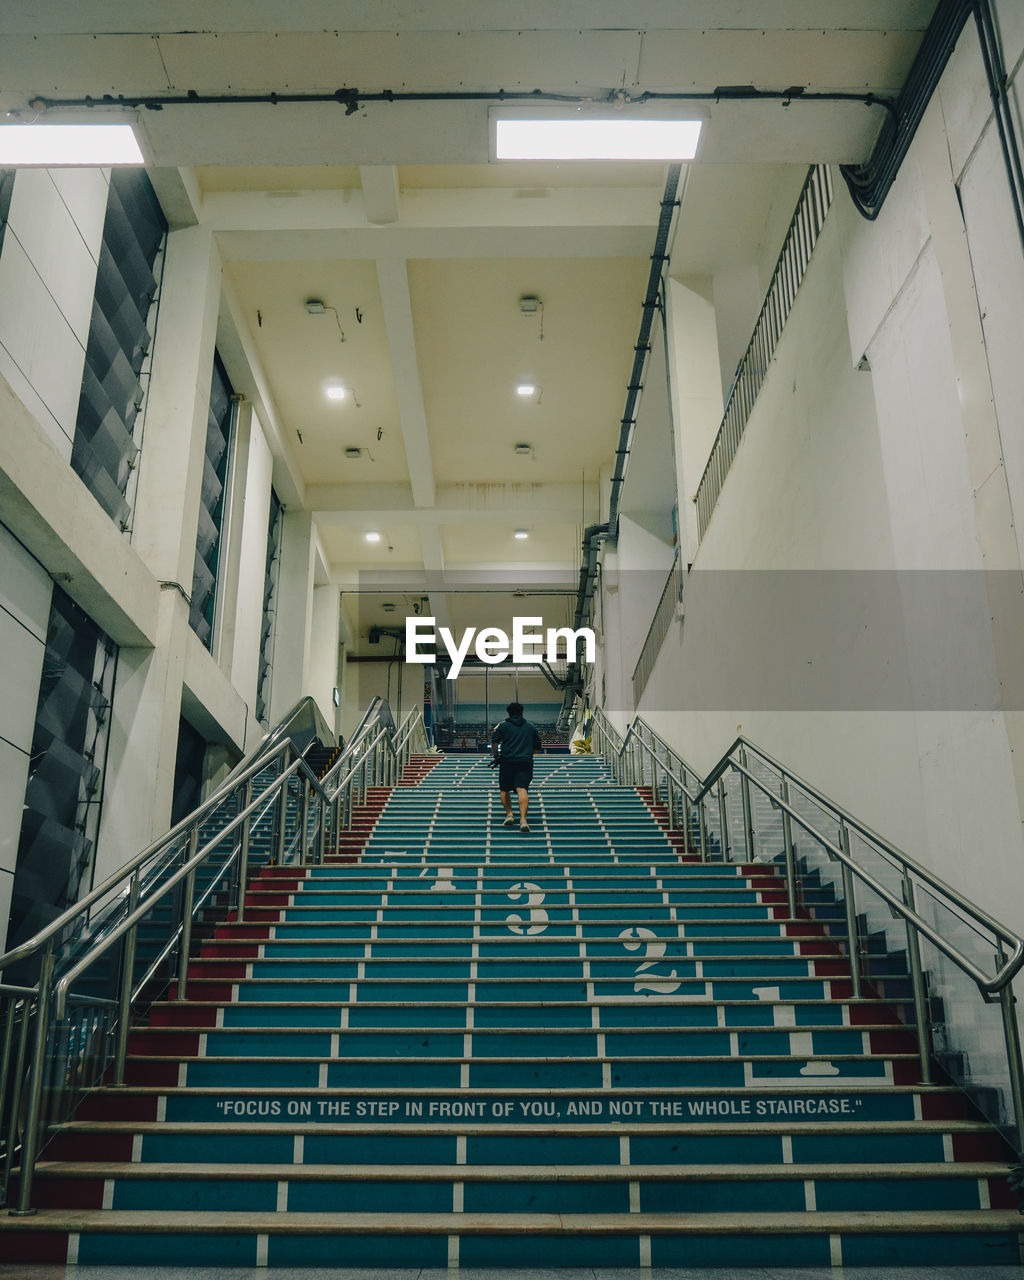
[[473, 1046]]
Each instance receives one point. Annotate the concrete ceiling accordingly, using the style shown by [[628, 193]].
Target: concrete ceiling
[[394, 216]]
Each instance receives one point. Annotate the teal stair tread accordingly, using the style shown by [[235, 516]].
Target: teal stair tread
[[941, 1222], [514, 1172]]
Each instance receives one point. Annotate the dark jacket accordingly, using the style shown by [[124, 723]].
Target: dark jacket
[[515, 739]]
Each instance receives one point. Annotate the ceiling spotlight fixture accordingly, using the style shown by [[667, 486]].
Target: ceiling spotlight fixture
[[526, 389], [22, 145], [521, 534], [334, 392], [524, 450], [529, 304], [595, 138], [372, 536], [388, 606]]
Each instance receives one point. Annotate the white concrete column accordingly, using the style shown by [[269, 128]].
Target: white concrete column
[[293, 623], [25, 590], [143, 740], [166, 512], [147, 693], [696, 394], [322, 677]]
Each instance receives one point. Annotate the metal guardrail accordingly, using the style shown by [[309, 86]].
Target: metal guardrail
[[671, 595], [808, 219], [708, 811], [66, 1033]]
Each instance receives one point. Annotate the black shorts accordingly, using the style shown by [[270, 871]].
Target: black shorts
[[513, 774]]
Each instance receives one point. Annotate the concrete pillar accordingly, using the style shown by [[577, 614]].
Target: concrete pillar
[[25, 590], [293, 624], [147, 694], [323, 676], [696, 394], [143, 740], [171, 465]]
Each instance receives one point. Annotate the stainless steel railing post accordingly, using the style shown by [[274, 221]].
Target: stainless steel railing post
[[303, 820], [850, 906], [1011, 1036], [188, 901], [19, 1076], [127, 975], [243, 853], [748, 816], [30, 1143], [917, 984], [723, 821], [787, 837], [282, 808]]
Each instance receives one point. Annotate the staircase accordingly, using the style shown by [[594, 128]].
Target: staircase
[[478, 1048]]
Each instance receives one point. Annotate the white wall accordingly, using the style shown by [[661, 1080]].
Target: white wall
[[47, 280], [855, 606], [25, 590]]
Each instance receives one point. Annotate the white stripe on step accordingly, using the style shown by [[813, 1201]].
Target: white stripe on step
[[136, 1148], [261, 1250], [810, 1198], [282, 1197], [460, 1149], [161, 1108], [458, 1196], [299, 1149], [73, 1239], [835, 1249], [108, 1193], [787, 1148], [645, 1251], [453, 1253], [634, 1197]]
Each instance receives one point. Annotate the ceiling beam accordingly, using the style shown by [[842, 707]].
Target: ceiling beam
[[480, 504], [380, 192], [393, 279]]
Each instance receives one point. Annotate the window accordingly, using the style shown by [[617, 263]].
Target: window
[[269, 610], [211, 505], [108, 428]]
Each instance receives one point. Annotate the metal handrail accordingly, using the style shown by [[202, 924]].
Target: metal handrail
[[377, 752], [1008, 946], [123, 875]]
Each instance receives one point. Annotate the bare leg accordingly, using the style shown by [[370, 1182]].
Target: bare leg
[[506, 800], [524, 802]]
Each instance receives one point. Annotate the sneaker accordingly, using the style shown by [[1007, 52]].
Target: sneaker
[[509, 822], [524, 827]]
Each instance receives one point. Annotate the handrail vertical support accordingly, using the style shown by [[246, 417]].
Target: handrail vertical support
[[787, 836], [1011, 1036], [243, 855], [30, 1144], [850, 905], [917, 984], [19, 1076], [723, 821], [186, 914], [127, 973], [303, 849], [282, 810], [748, 813]]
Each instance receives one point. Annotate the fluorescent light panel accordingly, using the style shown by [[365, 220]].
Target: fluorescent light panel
[[22, 145], [334, 392], [588, 139]]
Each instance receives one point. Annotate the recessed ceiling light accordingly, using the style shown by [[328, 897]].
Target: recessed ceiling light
[[77, 144], [523, 449], [521, 534], [596, 139], [334, 392], [525, 389], [372, 536]]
